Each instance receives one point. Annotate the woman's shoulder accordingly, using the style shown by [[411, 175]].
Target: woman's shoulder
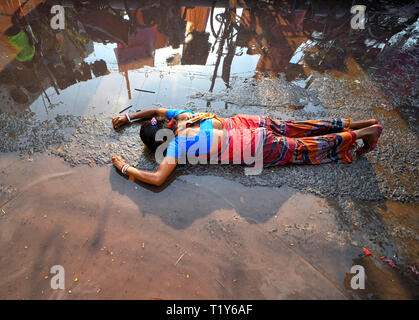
[[173, 113]]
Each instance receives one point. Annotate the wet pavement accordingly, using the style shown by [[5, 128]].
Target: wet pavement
[[292, 232], [118, 239]]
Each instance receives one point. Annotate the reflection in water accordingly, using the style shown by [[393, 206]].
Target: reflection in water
[[118, 53], [286, 39]]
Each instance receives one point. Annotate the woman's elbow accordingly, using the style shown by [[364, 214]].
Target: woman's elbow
[[158, 180]]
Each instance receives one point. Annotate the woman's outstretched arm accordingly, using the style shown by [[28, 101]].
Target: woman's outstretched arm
[[142, 114], [155, 178]]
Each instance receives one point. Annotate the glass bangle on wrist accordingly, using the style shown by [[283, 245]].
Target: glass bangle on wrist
[[125, 168], [128, 118]]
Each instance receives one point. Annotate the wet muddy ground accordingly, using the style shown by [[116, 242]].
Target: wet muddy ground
[[290, 233], [118, 239]]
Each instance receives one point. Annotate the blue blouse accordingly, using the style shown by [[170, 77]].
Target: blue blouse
[[198, 145]]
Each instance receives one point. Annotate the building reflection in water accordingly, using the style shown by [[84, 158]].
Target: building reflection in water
[[31, 49]]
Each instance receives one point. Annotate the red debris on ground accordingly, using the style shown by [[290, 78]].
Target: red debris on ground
[[389, 261], [367, 252]]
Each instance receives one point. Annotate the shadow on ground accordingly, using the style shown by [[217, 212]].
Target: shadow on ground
[[183, 199]]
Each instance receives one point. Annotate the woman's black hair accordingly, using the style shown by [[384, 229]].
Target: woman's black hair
[[148, 133]]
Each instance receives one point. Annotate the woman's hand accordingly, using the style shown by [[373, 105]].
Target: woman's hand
[[155, 178], [119, 121], [118, 162]]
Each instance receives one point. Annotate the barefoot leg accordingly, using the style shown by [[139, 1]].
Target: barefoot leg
[[369, 136], [362, 124]]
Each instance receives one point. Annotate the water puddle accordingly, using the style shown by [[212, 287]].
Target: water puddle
[[105, 55], [59, 90], [227, 241]]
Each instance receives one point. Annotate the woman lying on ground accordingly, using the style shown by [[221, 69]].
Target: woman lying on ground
[[236, 139]]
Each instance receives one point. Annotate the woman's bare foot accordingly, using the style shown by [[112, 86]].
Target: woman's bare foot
[[370, 137], [362, 124]]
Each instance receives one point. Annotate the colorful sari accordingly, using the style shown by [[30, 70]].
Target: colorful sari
[[280, 142], [275, 142]]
